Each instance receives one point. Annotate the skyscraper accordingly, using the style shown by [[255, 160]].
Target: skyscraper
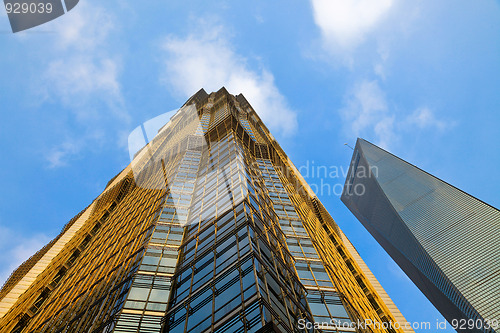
[[210, 229], [446, 241]]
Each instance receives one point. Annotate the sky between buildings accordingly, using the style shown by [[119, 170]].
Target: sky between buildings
[[419, 78]]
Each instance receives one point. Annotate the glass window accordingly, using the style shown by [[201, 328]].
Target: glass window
[[138, 293], [158, 295], [134, 305], [157, 307], [318, 309], [150, 260], [168, 262]]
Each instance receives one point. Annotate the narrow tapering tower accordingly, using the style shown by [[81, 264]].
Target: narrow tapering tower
[[445, 240]]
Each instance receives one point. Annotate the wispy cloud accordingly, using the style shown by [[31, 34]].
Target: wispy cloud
[[345, 23], [86, 28], [366, 113], [81, 82], [17, 248], [81, 75], [59, 156], [424, 118], [363, 35], [84, 68], [207, 59]]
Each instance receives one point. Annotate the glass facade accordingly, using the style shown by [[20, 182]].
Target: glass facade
[[210, 229], [446, 241]]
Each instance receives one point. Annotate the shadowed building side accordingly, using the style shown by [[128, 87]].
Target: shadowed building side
[[445, 240]]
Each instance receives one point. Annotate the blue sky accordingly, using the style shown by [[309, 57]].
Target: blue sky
[[420, 78]]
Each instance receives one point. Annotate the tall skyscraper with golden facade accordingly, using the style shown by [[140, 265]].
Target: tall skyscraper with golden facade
[[211, 228]]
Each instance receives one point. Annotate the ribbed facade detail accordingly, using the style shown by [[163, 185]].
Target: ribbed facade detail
[[447, 241]]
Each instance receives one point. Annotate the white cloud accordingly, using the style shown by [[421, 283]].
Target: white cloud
[[15, 248], [85, 28], [385, 131], [366, 113], [208, 60], [80, 79], [84, 68], [379, 70], [81, 72], [345, 23], [362, 35], [424, 118], [58, 156]]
